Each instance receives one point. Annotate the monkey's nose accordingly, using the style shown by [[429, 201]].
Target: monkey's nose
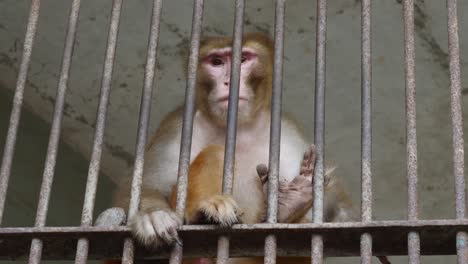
[[226, 83]]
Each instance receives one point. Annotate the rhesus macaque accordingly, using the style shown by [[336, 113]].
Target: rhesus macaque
[[156, 223]]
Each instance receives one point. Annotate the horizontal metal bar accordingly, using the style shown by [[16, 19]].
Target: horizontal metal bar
[[341, 239]]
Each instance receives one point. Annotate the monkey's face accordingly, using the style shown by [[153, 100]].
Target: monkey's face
[[216, 79], [217, 66]]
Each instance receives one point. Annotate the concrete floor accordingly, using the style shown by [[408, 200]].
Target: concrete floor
[[343, 86]]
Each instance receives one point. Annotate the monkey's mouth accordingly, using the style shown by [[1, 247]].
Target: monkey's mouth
[[225, 99]]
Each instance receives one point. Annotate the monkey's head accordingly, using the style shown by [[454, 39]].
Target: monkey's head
[[214, 72]]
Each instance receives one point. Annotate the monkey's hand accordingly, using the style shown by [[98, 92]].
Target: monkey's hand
[[156, 228], [218, 209], [295, 197]]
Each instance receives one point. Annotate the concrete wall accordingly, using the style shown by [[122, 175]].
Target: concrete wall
[[343, 82], [67, 196]]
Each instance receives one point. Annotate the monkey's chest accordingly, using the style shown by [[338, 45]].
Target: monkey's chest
[[247, 189]]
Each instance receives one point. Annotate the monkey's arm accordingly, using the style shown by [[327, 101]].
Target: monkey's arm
[[205, 202]]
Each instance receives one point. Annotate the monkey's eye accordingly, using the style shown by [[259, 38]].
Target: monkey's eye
[[216, 61], [243, 59]]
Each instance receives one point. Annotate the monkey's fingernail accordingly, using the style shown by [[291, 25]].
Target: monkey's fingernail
[[262, 169], [313, 148], [178, 241]]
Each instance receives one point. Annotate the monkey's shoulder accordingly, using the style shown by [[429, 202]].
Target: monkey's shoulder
[[169, 126]]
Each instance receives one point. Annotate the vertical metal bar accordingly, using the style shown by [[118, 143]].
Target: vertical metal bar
[[366, 129], [366, 248], [51, 157], [230, 149], [457, 126], [15, 115], [143, 123], [93, 170], [275, 131], [187, 127], [228, 170], [319, 125], [411, 140]]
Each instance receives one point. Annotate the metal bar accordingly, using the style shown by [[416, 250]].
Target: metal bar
[[411, 138], [366, 129], [457, 126], [15, 115], [389, 238], [94, 166], [143, 124], [366, 248], [231, 131], [51, 156], [275, 127], [319, 125], [229, 160], [187, 127], [374, 226], [275, 131]]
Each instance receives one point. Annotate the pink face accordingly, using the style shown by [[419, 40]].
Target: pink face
[[217, 64]]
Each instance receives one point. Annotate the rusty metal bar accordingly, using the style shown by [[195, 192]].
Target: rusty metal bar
[[275, 131], [366, 129], [94, 166], [228, 170], [15, 115], [319, 126], [231, 131], [437, 236], [187, 127], [143, 124], [374, 226], [411, 136], [457, 126], [51, 157]]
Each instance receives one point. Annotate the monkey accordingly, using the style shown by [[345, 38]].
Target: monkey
[[209, 127], [155, 225]]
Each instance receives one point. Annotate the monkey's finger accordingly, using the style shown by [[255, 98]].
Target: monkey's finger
[[262, 169], [177, 240], [313, 151], [384, 260], [143, 225], [313, 156]]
